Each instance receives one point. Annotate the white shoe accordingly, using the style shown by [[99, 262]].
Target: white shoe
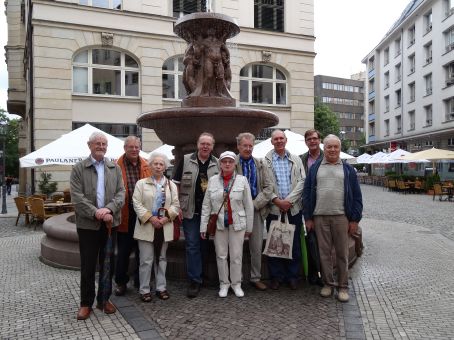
[[224, 289], [237, 290], [342, 295], [326, 291]]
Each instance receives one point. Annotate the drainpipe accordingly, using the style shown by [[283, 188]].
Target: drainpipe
[[31, 112]]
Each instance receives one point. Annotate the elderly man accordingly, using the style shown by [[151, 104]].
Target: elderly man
[[98, 194], [261, 189], [312, 139], [133, 167], [333, 206], [287, 175], [191, 177]]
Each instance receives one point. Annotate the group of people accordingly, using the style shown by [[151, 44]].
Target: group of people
[[245, 195]]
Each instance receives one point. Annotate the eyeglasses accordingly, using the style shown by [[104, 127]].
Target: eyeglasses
[[311, 139]]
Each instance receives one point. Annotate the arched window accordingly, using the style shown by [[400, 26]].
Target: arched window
[[105, 72], [115, 4], [172, 78], [263, 84]]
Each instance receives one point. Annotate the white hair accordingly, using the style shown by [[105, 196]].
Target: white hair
[[155, 155], [331, 136], [95, 135]]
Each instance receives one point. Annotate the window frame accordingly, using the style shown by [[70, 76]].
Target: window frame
[[250, 79], [90, 66], [177, 74], [275, 7], [111, 4]]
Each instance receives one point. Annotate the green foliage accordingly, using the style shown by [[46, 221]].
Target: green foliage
[[431, 180], [362, 142], [45, 185], [325, 121], [11, 144]]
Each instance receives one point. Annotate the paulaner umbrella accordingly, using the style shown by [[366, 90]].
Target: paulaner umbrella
[[105, 282], [304, 259], [313, 253]]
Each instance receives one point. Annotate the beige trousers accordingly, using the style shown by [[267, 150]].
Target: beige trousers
[[333, 231], [229, 243]]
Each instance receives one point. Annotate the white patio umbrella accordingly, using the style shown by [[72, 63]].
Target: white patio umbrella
[[362, 159], [433, 155], [166, 150], [70, 148], [295, 144], [377, 158]]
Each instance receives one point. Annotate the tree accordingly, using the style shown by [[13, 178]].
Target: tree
[[11, 144], [325, 121], [45, 185]]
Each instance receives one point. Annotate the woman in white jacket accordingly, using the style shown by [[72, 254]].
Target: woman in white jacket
[[156, 203], [234, 221]]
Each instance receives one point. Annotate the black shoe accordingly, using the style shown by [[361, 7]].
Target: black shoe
[[193, 289], [293, 284], [315, 281], [274, 284]]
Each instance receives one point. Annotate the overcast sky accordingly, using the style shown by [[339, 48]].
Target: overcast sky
[[346, 31]]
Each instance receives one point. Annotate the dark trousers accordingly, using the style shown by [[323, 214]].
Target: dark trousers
[[196, 248], [125, 245], [284, 270], [91, 247]]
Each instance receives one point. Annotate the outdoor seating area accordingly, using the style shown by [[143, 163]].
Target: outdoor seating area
[[37, 208]]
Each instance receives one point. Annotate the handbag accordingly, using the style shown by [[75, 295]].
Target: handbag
[[178, 220], [279, 242], [213, 220]]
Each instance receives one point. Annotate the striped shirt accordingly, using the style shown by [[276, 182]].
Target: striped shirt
[[282, 171], [132, 175]]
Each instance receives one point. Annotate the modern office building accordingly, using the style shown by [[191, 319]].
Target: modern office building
[[345, 97], [106, 61], [410, 78]]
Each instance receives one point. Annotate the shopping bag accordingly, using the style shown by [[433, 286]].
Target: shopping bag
[[279, 242]]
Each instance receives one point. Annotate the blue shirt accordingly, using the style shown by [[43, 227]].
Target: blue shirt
[[281, 169], [100, 189]]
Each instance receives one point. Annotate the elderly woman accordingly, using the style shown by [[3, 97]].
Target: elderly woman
[[231, 191], [156, 203]]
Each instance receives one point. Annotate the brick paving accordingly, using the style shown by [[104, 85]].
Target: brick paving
[[401, 288]]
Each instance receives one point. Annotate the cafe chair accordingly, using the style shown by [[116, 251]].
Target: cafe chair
[[39, 213], [438, 190], [22, 209]]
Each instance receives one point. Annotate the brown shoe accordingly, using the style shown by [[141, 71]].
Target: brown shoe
[[259, 285], [274, 284], [108, 307], [83, 313]]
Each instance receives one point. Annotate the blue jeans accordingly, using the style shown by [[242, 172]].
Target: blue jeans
[[196, 248], [284, 270]]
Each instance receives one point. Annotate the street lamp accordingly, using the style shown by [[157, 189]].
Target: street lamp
[[3, 136]]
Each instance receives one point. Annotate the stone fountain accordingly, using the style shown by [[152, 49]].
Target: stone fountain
[[209, 105]]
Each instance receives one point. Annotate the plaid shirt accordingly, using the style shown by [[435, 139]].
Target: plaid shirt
[[281, 169], [132, 175]]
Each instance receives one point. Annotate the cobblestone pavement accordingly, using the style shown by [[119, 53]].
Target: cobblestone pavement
[[401, 288]]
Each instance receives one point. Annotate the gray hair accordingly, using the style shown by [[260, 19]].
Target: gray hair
[[245, 135], [207, 134], [155, 155], [331, 136], [95, 135], [276, 131], [132, 139]]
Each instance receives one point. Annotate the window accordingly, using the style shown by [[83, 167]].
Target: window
[[428, 83], [449, 69], [114, 4], [411, 63], [428, 112], [386, 79], [105, 72], [117, 130], [411, 36], [411, 120], [183, 7], [264, 84], [386, 103], [428, 143], [398, 124], [397, 48], [447, 6], [428, 52], [372, 129], [449, 106], [172, 78], [411, 89], [386, 127], [398, 72], [398, 98], [428, 21], [269, 15], [450, 141], [449, 39], [386, 56], [371, 64]]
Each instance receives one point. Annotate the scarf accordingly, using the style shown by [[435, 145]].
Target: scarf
[[227, 181], [250, 172]]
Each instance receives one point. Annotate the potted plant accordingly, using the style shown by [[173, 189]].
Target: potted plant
[[45, 185]]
